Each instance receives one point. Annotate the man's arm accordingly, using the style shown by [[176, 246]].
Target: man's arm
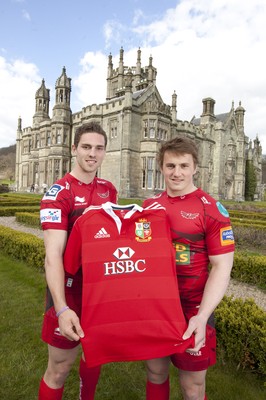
[[214, 291], [55, 242]]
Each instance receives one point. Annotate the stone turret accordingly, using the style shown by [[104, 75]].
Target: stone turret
[[42, 99], [61, 109]]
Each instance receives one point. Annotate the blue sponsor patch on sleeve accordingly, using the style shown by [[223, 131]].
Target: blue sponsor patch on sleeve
[[226, 236], [50, 215], [53, 191], [222, 209]]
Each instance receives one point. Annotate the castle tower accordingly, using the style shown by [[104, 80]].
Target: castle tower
[[207, 115], [239, 115], [18, 177], [42, 99], [173, 107], [61, 110], [121, 70], [109, 76], [61, 128]]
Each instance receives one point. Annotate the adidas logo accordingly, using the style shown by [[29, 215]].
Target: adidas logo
[[102, 234]]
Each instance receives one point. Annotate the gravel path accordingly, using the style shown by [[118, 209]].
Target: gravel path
[[235, 288]]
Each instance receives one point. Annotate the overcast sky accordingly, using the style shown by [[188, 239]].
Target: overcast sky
[[201, 48]]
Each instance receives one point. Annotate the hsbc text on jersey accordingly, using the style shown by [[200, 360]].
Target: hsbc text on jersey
[[124, 267]]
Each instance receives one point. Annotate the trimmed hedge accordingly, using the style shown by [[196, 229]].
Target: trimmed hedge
[[30, 219], [11, 211], [19, 203], [244, 215], [249, 268], [24, 247], [241, 333], [253, 224]]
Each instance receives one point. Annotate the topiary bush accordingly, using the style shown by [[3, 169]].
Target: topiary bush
[[24, 247], [241, 333]]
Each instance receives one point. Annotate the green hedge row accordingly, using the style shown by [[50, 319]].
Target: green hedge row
[[24, 247], [247, 215], [241, 333], [249, 268], [254, 225], [11, 211], [29, 219], [253, 222], [18, 203]]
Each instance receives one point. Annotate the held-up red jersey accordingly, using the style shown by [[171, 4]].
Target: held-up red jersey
[[130, 304], [200, 227]]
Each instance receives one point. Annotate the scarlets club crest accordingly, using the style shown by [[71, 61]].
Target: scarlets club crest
[[143, 231]]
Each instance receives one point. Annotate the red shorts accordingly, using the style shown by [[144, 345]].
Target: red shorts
[[50, 328], [205, 357]]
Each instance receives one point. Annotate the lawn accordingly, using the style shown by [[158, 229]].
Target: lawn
[[23, 355]]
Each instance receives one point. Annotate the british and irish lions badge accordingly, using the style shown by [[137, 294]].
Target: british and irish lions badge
[[143, 231]]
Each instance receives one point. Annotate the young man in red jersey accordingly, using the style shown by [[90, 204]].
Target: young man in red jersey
[[202, 235], [61, 205]]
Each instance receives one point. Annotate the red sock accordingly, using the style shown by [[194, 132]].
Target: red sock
[[158, 392], [205, 398], [47, 393], [88, 380]]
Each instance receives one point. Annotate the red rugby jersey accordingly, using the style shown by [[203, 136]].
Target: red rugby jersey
[[64, 202], [67, 198], [130, 304], [200, 227]]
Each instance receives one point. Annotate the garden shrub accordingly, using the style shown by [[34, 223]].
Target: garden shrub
[[241, 333], [24, 247], [29, 219], [11, 211], [249, 268]]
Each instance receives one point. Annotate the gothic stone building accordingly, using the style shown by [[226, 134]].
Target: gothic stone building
[[137, 121]]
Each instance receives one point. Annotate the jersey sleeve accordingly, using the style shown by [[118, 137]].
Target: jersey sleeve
[[113, 194], [72, 254], [55, 208], [219, 232]]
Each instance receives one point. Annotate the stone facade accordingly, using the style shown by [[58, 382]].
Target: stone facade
[[136, 121]]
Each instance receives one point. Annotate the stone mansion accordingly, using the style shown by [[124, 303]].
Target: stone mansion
[[136, 121]]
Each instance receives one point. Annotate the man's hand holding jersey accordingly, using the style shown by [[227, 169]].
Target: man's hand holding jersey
[[196, 326], [69, 325]]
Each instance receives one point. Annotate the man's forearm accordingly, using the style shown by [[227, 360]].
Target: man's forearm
[[216, 285], [55, 278]]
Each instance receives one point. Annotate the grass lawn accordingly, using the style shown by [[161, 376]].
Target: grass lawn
[[23, 356]]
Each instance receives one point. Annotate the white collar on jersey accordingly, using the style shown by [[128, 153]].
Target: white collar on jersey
[[109, 208]]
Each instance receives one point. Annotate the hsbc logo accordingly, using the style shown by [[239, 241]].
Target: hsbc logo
[[124, 265], [123, 253]]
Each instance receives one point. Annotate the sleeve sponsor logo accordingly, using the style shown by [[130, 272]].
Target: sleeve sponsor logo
[[222, 209], [52, 193], [50, 215], [227, 236]]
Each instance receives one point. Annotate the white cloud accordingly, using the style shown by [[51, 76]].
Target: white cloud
[[138, 14], [26, 15], [19, 82], [113, 32], [90, 84]]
